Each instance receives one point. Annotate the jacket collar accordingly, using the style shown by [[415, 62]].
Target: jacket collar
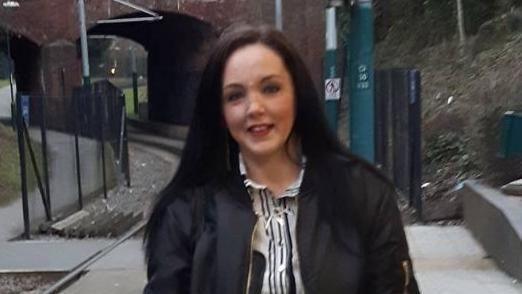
[[235, 184]]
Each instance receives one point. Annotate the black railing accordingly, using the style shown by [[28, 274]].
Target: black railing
[[93, 113], [398, 130]]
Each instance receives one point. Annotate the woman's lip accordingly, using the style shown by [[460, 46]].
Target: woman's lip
[[260, 130]]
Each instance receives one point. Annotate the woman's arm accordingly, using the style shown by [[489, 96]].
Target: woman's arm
[[169, 264], [389, 267]]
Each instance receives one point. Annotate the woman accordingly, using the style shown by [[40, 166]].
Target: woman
[[266, 199]]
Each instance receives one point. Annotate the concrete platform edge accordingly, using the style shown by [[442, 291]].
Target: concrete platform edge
[[495, 225]]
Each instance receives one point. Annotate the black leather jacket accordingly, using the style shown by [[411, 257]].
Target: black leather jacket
[[212, 253]]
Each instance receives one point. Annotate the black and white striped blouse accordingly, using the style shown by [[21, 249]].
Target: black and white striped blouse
[[275, 234]]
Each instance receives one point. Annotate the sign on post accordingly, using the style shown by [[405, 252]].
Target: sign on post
[[332, 89], [25, 108]]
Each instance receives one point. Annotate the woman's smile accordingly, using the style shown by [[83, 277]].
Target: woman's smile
[[260, 130]]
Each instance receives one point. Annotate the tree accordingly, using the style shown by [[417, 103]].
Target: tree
[[460, 23]]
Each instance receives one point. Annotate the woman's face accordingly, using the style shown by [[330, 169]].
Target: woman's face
[[258, 101]]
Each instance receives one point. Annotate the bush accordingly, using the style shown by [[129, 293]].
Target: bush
[[411, 18]]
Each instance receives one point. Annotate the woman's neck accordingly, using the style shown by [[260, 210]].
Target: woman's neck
[[276, 172]]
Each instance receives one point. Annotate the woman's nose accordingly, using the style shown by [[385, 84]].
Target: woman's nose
[[255, 105]]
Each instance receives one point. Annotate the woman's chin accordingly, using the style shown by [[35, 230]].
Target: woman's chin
[[261, 151]]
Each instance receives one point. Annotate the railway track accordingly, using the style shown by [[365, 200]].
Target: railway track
[[142, 135]]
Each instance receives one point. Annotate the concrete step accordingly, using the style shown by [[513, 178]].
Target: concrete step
[[495, 219], [174, 146], [106, 224], [164, 130]]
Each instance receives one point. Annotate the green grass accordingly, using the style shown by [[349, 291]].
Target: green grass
[[4, 83], [129, 97], [10, 166]]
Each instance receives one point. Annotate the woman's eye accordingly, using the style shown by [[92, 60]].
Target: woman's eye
[[233, 96], [271, 89]]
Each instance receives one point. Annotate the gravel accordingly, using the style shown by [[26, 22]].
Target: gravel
[[27, 282], [151, 169]]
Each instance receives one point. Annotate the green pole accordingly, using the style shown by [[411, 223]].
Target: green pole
[[83, 42], [86, 81], [362, 122], [332, 81]]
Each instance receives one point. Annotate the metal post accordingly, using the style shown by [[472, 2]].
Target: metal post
[[382, 123], [83, 41], [134, 82], [47, 208], [101, 121], [10, 72], [279, 14], [400, 123], [76, 147], [362, 122], [43, 133], [23, 172], [332, 81], [415, 119], [125, 149]]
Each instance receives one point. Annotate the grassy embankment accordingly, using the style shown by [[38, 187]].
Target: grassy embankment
[[10, 166], [129, 98], [4, 83], [126, 85]]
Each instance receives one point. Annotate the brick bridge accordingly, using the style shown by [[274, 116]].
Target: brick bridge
[[45, 38]]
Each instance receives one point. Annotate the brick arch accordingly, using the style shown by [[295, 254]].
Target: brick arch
[[149, 33], [177, 48]]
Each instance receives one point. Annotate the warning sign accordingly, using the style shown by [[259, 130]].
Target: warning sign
[[332, 89]]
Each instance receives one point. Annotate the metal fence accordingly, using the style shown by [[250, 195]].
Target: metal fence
[[398, 130], [83, 148]]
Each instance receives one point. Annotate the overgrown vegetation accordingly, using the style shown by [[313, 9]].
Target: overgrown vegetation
[[9, 171], [418, 24], [464, 92], [129, 97], [10, 166], [4, 83]]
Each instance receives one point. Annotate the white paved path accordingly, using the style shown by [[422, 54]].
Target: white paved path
[[447, 260], [5, 102]]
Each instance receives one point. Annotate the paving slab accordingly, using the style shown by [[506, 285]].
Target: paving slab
[[121, 271], [447, 260], [450, 260], [128, 256], [47, 256], [109, 282]]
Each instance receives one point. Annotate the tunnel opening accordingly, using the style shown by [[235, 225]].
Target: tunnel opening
[[25, 56], [123, 62], [177, 48]]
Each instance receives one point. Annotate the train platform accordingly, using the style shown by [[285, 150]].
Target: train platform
[[446, 259]]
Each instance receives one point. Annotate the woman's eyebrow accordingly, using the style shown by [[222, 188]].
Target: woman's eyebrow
[[269, 77], [232, 85], [238, 85]]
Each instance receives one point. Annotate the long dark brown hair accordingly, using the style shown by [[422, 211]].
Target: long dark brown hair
[[209, 149]]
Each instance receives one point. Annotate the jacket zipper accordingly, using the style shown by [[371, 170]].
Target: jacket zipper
[[406, 270], [249, 276]]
